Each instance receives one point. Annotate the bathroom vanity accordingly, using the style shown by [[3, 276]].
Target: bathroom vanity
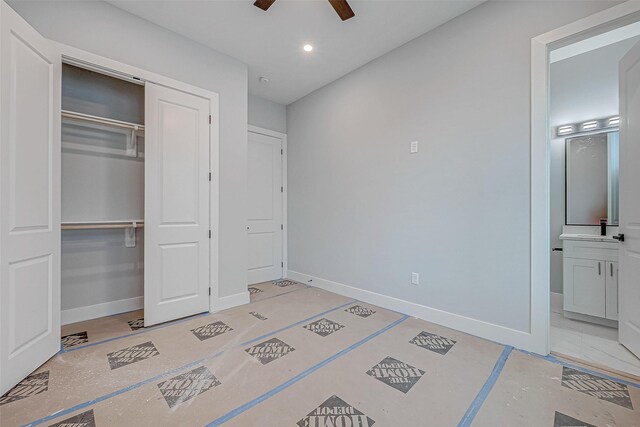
[[590, 276], [590, 251]]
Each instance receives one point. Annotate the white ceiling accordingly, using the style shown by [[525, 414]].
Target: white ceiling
[[271, 42]]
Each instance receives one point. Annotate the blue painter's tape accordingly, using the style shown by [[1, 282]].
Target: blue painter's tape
[[154, 328], [551, 358], [173, 371], [472, 411], [240, 409]]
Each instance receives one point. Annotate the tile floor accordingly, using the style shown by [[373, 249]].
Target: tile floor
[[300, 356], [589, 342]]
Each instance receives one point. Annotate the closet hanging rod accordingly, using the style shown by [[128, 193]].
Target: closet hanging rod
[[101, 120], [101, 225]]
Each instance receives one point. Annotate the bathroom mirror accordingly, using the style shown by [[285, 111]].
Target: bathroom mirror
[[592, 166]]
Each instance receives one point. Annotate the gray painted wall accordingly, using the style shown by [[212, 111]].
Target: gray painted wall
[[267, 114], [108, 31], [366, 213], [582, 87]]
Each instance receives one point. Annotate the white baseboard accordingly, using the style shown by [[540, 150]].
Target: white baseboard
[[110, 308], [479, 328], [223, 303]]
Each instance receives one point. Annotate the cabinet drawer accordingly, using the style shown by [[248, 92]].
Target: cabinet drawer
[[603, 251]]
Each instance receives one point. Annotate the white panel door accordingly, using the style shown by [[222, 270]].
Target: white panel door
[[176, 266], [629, 262], [264, 227], [29, 199]]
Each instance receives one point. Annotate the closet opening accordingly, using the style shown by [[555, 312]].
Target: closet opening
[[103, 201]]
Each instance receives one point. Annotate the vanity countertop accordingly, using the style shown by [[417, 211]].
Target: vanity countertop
[[587, 237]]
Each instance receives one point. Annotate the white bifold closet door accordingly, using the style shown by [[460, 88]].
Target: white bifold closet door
[[176, 269], [30, 199], [264, 225]]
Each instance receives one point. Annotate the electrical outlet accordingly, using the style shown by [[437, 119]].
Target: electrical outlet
[[415, 279], [414, 147]]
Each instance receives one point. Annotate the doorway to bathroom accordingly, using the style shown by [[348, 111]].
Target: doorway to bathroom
[[584, 200]]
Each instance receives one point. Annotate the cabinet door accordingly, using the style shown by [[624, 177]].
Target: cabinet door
[[612, 290], [584, 286]]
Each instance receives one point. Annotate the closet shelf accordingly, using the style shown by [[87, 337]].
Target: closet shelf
[[101, 120], [96, 225]]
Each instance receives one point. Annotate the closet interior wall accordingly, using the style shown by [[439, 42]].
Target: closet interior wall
[[102, 180]]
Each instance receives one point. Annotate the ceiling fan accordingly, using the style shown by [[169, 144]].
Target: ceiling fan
[[341, 7]]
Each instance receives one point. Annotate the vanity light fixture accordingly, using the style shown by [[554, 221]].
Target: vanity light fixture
[[588, 126], [563, 130]]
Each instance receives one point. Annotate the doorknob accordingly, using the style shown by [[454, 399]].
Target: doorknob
[[619, 237]]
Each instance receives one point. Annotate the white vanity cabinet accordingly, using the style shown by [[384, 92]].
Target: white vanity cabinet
[[590, 279]]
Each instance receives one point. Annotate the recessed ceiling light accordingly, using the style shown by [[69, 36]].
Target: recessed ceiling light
[[307, 48]]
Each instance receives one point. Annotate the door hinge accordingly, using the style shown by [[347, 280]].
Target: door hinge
[[282, 189], [209, 291], [209, 118], [209, 233], [281, 226], [209, 176], [281, 151], [282, 264]]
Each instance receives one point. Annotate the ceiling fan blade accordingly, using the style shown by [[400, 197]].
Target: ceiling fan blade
[[342, 8], [264, 4]]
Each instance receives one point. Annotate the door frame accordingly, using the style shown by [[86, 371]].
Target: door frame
[[541, 135], [91, 61], [283, 138]]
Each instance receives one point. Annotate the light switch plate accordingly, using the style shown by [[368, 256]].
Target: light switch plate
[[414, 147], [415, 279]]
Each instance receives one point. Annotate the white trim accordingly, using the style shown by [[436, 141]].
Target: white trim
[[222, 303], [119, 69], [471, 326], [267, 132], [602, 40], [214, 203], [80, 314], [283, 137], [541, 135]]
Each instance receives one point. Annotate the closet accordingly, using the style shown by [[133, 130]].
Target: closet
[[102, 208], [135, 214], [108, 194]]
